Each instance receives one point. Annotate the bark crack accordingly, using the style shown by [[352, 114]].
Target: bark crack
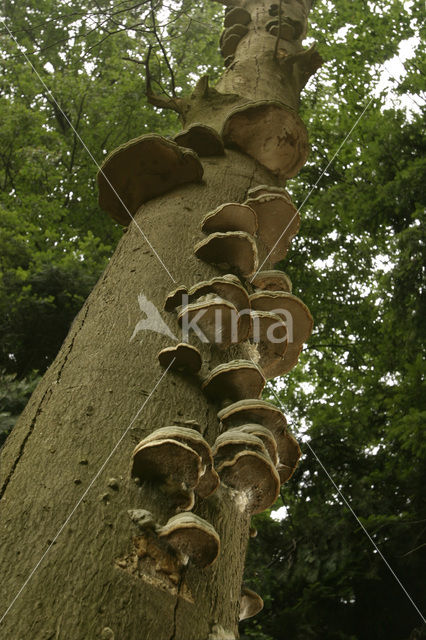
[[24, 442], [71, 345], [31, 428], [180, 585]]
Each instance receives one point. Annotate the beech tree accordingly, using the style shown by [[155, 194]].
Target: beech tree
[[323, 565], [152, 544]]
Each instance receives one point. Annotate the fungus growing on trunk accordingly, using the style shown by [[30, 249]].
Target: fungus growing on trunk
[[182, 357], [202, 139], [253, 411], [271, 133], [269, 333], [267, 190], [229, 44], [172, 464], [175, 298], [141, 169], [263, 433], [272, 280], [192, 537], [298, 321], [253, 474], [268, 415], [236, 15], [234, 380], [208, 480], [215, 317], [234, 441], [230, 217], [250, 603], [278, 222], [235, 250], [229, 288]]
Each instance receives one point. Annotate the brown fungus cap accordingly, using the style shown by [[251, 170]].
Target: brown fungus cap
[[271, 133], [253, 410], [269, 333], [264, 434], [288, 455], [175, 298], [267, 190], [272, 280], [177, 466], [209, 480], [182, 357], [239, 30], [229, 44], [278, 222], [193, 537], [253, 474], [234, 380], [298, 321], [250, 603], [270, 416], [215, 317], [142, 169], [229, 288], [202, 139], [237, 15], [231, 216], [234, 250], [235, 441]]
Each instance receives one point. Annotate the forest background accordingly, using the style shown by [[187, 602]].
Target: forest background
[[356, 401]]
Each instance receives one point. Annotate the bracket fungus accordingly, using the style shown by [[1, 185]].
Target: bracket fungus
[[236, 15], [288, 453], [208, 480], [234, 250], [234, 380], [231, 216], [253, 474], [271, 133], [234, 441], [263, 433], [215, 317], [298, 321], [272, 280], [253, 411], [229, 44], [266, 414], [250, 603], [278, 222], [182, 357], [173, 464], [193, 537], [229, 288], [202, 139], [230, 39], [270, 335], [175, 298], [142, 169], [267, 190]]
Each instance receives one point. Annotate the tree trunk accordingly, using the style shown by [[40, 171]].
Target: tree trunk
[[94, 581]]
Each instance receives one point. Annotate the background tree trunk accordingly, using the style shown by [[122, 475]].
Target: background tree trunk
[[91, 584]]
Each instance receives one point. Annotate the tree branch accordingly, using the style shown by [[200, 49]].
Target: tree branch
[[163, 102]]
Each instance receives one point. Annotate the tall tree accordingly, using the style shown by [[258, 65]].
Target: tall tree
[[65, 481]]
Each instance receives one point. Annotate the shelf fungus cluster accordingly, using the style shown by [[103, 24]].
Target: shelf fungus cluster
[[235, 23], [179, 462]]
